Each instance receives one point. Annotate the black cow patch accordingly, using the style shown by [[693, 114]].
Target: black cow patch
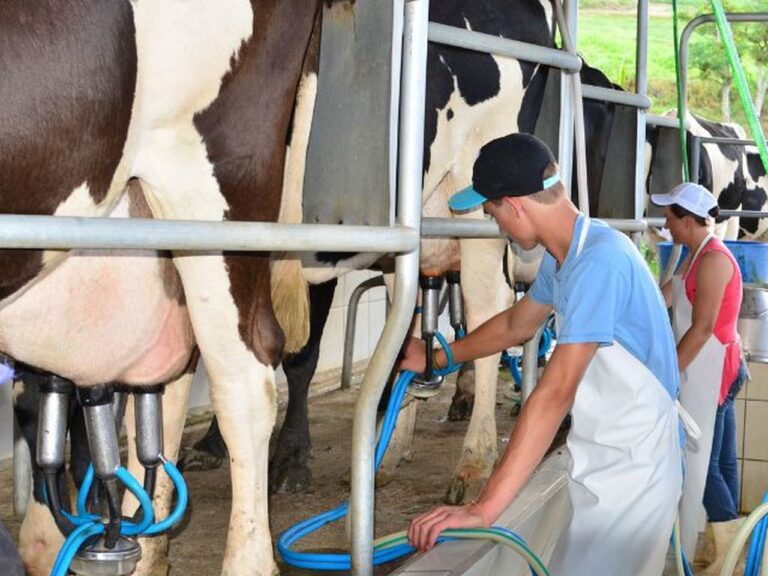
[[755, 166], [476, 74]]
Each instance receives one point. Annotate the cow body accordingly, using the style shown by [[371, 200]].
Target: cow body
[[193, 100], [733, 173], [471, 98]]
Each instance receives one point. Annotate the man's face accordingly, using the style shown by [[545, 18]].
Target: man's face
[[507, 213]]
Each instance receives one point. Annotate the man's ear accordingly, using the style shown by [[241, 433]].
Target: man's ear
[[514, 203]]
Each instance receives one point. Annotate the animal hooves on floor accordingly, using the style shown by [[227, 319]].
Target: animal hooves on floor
[[456, 491], [464, 488], [384, 477], [293, 480], [196, 461], [461, 409]]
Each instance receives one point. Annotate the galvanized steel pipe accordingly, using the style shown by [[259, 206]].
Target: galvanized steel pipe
[[58, 232], [410, 164]]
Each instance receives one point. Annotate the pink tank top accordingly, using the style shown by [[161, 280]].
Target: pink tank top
[[725, 326]]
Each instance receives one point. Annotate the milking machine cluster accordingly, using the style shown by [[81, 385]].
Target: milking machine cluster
[[394, 546], [101, 542], [428, 383]]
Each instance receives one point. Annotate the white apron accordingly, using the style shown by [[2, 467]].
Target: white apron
[[626, 477], [699, 394]]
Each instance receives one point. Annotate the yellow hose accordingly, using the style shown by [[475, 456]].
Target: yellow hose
[[732, 558]]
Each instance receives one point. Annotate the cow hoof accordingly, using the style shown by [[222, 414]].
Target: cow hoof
[[291, 480], [461, 407], [464, 489], [195, 460], [385, 475]]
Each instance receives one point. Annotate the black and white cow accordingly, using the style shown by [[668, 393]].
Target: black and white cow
[[192, 102], [733, 173], [471, 99]]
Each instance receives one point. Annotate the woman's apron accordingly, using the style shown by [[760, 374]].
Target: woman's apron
[[625, 477], [699, 393]]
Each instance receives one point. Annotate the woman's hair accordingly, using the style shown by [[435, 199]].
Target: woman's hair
[[551, 194], [681, 212]]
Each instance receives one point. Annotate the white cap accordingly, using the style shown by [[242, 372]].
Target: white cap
[[693, 197]]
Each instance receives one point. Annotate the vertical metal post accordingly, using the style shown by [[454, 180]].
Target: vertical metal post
[[531, 364], [641, 88], [410, 165], [565, 150], [695, 158], [349, 332], [578, 111]]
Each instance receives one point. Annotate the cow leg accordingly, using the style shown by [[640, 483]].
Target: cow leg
[[289, 470], [208, 453], [486, 293], [463, 400], [154, 550], [242, 392], [401, 445]]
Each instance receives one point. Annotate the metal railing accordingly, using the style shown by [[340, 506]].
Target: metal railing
[[61, 233]]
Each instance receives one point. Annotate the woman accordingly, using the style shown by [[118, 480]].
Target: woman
[[705, 296]]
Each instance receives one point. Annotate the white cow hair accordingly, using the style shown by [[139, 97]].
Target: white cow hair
[[179, 76]]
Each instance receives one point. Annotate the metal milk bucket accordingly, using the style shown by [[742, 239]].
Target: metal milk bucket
[[753, 322]]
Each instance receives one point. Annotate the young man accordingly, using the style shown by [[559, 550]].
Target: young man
[[614, 368]]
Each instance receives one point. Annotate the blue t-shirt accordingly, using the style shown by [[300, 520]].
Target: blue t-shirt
[[608, 295]]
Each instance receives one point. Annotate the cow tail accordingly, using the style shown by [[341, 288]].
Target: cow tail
[[290, 292]]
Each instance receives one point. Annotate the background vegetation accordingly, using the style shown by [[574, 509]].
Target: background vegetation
[[607, 32]]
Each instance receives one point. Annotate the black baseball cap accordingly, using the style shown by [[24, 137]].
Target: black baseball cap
[[512, 165]]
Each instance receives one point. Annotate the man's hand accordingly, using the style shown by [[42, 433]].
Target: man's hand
[[424, 529], [414, 355]]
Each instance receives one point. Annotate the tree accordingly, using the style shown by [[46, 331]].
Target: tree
[[756, 36], [708, 56]]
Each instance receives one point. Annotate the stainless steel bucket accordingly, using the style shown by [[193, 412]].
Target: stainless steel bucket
[[753, 322]]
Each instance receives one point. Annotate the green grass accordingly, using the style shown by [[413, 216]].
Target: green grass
[[607, 32]]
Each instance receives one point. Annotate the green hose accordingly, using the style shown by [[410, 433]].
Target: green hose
[[680, 103], [741, 81], [474, 534]]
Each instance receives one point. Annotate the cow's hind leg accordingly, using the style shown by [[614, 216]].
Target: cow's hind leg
[[486, 293], [242, 392], [463, 400], [228, 297], [289, 469], [208, 453]]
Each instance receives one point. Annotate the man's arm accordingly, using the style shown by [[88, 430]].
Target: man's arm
[[712, 277], [510, 327], [533, 433]]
